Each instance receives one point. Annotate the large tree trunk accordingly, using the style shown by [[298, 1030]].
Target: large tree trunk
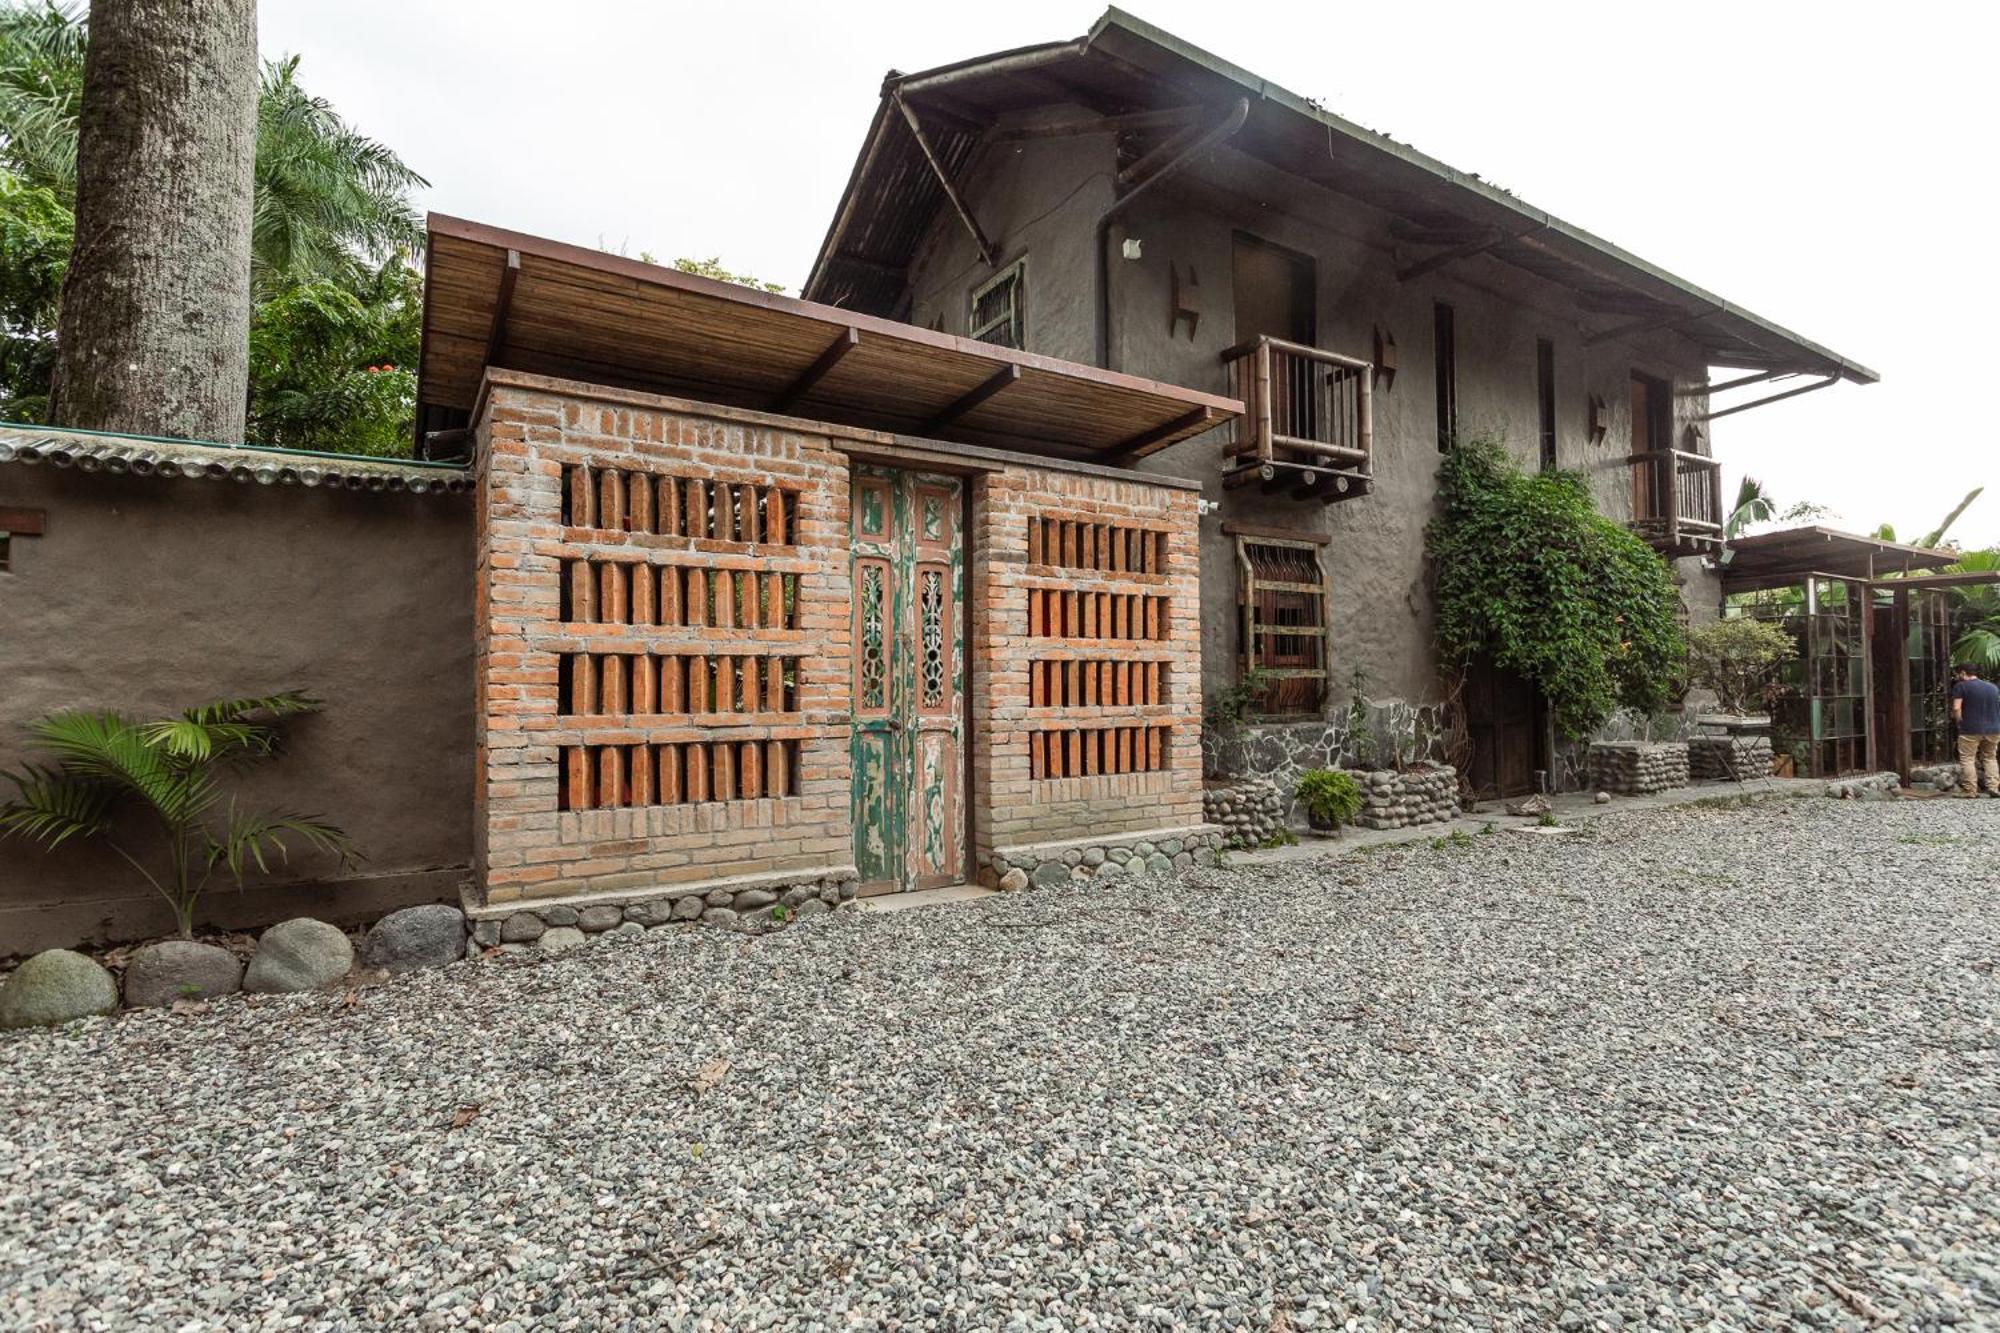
[[154, 331]]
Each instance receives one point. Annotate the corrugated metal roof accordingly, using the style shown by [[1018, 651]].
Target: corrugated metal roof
[[1125, 64], [151, 456]]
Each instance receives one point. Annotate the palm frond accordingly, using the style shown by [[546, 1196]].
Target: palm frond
[[246, 838], [52, 805], [223, 727], [1980, 647], [110, 748], [1936, 535]]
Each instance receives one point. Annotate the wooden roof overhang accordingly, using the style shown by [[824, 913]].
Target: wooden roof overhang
[[517, 302], [1127, 70], [1791, 555]]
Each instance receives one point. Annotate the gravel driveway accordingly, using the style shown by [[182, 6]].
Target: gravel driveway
[[1693, 1068]]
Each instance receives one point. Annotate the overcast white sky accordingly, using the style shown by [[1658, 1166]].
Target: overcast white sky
[[1829, 166]]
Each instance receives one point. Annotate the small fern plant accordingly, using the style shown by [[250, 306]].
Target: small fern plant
[[1331, 797], [106, 765]]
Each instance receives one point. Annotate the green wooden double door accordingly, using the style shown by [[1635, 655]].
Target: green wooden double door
[[909, 679]]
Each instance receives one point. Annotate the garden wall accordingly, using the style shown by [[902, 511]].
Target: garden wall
[[146, 594]]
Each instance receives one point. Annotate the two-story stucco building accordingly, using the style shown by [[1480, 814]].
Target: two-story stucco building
[[1128, 201]]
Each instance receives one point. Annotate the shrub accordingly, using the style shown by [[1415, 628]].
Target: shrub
[[1739, 659], [1532, 577], [1331, 797], [170, 769]]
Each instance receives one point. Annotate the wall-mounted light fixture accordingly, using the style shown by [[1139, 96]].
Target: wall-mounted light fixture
[[1600, 419]]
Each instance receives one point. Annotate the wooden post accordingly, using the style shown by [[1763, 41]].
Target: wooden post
[[1671, 466], [1900, 757], [1261, 408], [1364, 388]]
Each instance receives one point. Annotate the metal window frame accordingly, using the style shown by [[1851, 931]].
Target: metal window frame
[[1248, 586], [1016, 274]]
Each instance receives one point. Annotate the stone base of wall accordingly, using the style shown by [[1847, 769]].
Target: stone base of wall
[[1937, 777], [1156, 852], [745, 902], [1397, 731], [1733, 758], [1250, 812], [1398, 799], [1865, 787], [1638, 768]]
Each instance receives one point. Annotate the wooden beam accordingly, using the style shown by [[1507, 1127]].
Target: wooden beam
[[23, 522], [1154, 159], [963, 118], [1650, 324], [1234, 528], [496, 332], [963, 209], [1463, 250], [1132, 122], [994, 384], [1159, 437], [846, 341], [1417, 233]]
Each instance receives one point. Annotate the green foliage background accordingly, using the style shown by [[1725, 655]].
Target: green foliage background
[[1531, 576], [333, 238]]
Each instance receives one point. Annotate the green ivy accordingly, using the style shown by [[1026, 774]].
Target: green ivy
[[1532, 577]]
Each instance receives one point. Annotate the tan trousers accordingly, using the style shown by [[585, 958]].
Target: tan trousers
[[1986, 750]]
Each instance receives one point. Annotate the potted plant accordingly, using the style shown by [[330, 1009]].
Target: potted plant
[[1330, 797]]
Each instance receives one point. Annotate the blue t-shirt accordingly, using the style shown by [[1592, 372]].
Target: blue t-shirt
[[1979, 705]]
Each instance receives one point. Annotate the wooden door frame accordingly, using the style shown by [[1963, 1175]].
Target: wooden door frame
[[905, 487]]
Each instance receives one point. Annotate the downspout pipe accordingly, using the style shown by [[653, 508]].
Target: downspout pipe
[[1223, 130]]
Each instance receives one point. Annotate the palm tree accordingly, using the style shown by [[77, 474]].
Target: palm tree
[[331, 203], [41, 94], [171, 770], [1753, 505], [1976, 612]]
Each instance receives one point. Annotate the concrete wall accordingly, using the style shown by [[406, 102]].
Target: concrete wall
[[148, 595], [1043, 201]]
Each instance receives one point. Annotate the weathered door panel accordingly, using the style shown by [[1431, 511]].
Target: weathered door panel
[[909, 680]]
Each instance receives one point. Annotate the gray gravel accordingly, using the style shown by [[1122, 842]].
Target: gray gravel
[[1696, 1068]]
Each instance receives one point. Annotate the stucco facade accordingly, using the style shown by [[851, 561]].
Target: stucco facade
[[145, 595], [1042, 197]]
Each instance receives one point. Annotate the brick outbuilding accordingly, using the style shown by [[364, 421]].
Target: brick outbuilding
[[774, 598]]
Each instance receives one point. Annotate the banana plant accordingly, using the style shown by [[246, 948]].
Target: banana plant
[[168, 772]]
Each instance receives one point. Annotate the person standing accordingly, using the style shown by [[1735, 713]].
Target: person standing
[[1975, 711]]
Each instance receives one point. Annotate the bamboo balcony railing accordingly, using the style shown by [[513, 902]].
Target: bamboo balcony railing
[[1308, 424], [1677, 501]]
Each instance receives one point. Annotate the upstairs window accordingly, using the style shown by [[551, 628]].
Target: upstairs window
[[999, 308], [1444, 358], [1283, 597], [1545, 399]]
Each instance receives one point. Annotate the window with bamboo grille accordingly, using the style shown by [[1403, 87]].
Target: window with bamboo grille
[[599, 777], [636, 592], [1055, 683], [1283, 598], [649, 684], [624, 499], [1084, 752], [1054, 613], [1112, 548]]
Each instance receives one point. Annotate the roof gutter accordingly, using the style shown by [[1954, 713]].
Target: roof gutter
[[1217, 134]]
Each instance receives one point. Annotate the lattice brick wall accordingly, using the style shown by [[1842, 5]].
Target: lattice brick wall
[[663, 587], [1089, 628]]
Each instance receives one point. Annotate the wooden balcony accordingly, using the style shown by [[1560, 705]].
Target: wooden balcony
[[1677, 501], [1308, 425]]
